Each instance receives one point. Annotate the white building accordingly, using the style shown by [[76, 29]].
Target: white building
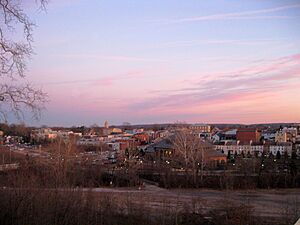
[[93, 140], [285, 147], [236, 148]]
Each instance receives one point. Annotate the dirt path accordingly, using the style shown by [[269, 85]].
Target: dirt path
[[273, 203]]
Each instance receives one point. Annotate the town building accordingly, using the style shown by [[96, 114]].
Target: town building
[[239, 149], [202, 131], [43, 134], [90, 140], [164, 150], [281, 136], [292, 133], [248, 135], [283, 148], [201, 128], [287, 134], [268, 135]]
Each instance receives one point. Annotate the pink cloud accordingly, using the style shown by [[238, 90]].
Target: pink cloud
[[108, 81], [252, 87], [246, 94]]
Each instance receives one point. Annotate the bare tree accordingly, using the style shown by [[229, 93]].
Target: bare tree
[[192, 149], [16, 30]]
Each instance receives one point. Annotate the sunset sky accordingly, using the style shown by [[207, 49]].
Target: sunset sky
[[159, 61]]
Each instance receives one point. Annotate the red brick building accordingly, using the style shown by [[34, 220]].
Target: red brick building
[[143, 138], [248, 135], [128, 144]]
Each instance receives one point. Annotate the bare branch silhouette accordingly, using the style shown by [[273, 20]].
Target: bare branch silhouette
[[16, 37]]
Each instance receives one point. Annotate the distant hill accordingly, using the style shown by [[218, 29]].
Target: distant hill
[[159, 126]]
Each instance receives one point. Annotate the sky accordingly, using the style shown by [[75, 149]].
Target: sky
[[142, 61]]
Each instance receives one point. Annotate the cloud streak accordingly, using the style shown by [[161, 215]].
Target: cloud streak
[[105, 81], [248, 84], [249, 42], [252, 14], [111, 58]]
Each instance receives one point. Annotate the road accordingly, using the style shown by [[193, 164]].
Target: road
[[267, 203]]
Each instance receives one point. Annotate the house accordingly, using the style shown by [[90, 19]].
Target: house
[[165, 150], [214, 159]]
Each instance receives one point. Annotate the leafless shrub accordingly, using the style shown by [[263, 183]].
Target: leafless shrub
[[230, 213]]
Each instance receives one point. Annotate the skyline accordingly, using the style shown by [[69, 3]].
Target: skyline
[[153, 62]]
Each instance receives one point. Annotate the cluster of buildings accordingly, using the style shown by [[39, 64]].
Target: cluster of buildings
[[106, 138], [115, 138], [156, 144], [47, 135], [258, 142], [129, 143]]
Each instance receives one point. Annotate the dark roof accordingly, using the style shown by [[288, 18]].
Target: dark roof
[[282, 144], [256, 143], [165, 143], [248, 129]]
